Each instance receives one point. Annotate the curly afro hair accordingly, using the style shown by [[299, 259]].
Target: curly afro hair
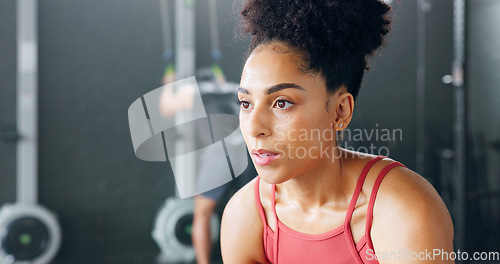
[[334, 37]]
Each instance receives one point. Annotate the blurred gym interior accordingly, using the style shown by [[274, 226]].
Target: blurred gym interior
[[73, 191]]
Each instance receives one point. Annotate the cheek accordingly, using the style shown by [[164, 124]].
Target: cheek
[[308, 131], [243, 127]]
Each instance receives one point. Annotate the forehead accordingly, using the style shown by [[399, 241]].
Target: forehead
[[268, 65]]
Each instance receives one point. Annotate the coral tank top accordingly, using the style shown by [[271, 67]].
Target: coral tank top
[[285, 245]]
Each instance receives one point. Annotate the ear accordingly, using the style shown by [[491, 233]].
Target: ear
[[344, 109]]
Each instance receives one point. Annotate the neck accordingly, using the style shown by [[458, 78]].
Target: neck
[[324, 182]]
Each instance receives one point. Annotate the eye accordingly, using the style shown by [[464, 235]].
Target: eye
[[283, 104], [244, 104]]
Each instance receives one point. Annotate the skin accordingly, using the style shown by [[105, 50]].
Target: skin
[[202, 241], [408, 213]]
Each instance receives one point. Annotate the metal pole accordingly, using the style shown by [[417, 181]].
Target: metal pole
[[459, 127], [27, 101], [185, 67], [420, 96]]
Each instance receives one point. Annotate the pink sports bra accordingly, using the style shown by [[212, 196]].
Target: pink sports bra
[[336, 246]]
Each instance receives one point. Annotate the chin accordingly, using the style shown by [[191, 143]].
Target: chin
[[271, 177]]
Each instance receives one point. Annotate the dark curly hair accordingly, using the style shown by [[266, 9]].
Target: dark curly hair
[[333, 37]]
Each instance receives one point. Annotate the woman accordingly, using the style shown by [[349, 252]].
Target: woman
[[322, 204]]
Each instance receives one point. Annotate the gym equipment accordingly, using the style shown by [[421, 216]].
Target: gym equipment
[[172, 230], [29, 233]]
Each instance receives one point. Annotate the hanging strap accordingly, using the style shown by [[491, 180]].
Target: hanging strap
[[214, 30], [371, 203], [215, 42], [166, 30]]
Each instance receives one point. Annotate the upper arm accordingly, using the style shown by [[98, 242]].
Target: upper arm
[[241, 229], [410, 219]]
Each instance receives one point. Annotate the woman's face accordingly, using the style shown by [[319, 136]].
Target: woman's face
[[285, 120]]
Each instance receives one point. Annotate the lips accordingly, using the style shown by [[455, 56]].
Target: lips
[[263, 157]]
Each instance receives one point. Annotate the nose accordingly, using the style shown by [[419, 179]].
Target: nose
[[258, 122]]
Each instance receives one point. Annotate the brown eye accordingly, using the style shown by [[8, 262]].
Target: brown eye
[[245, 105], [283, 104]]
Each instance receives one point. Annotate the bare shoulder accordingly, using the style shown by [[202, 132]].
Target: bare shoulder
[[409, 214], [241, 228]]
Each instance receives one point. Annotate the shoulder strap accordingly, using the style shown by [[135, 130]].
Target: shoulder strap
[[259, 204], [263, 216], [276, 229], [357, 191], [371, 203]]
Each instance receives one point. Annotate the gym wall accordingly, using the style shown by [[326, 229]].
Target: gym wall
[[95, 59], [7, 101]]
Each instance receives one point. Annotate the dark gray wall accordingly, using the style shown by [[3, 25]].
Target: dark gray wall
[[96, 58], [438, 96], [387, 97], [483, 102], [7, 99]]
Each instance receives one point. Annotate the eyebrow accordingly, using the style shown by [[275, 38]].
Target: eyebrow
[[275, 88]]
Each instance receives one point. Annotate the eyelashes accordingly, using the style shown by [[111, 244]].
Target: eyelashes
[[280, 104]]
